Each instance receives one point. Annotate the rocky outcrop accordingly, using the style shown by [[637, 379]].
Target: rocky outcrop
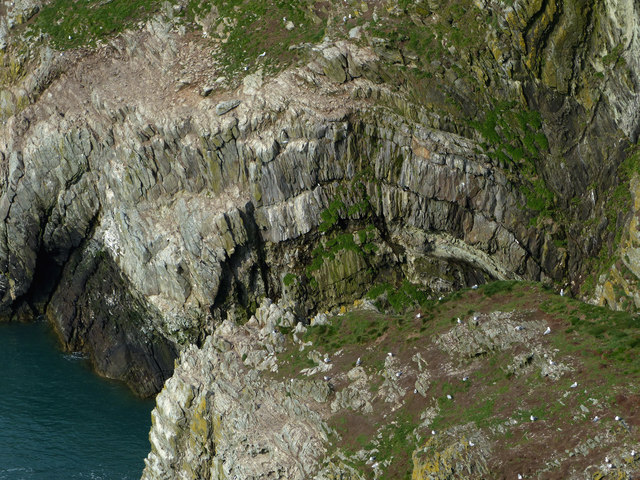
[[149, 202], [200, 211], [200, 432], [359, 395]]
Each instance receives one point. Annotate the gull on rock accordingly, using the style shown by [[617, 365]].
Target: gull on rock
[[459, 321], [547, 331], [327, 360], [519, 328], [471, 444]]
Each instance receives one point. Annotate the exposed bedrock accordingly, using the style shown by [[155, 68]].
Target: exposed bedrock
[[188, 216], [139, 205]]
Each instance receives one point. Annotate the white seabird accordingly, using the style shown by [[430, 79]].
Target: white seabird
[[618, 418], [464, 379], [574, 384], [418, 315], [474, 287], [562, 292], [327, 360], [389, 354], [533, 418], [547, 331], [398, 374], [459, 321], [519, 327], [596, 418], [358, 362], [519, 477], [433, 432], [326, 379], [471, 444]]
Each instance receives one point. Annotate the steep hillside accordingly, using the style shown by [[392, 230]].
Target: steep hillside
[[469, 386], [168, 167]]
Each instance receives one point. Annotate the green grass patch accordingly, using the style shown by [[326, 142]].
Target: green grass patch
[[70, 23], [399, 299]]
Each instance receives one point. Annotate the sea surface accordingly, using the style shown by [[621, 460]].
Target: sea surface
[[58, 420]]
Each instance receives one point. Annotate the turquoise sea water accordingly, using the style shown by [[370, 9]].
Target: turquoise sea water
[[58, 420]]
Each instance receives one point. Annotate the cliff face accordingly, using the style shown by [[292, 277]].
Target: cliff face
[[171, 177]]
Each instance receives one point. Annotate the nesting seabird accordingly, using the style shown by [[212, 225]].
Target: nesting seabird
[[459, 321], [358, 362], [596, 418], [398, 374], [533, 418], [326, 379], [474, 287], [449, 397], [433, 432], [471, 444], [464, 379], [418, 315], [389, 354], [618, 418], [547, 331], [574, 384], [327, 360], [562, 292]]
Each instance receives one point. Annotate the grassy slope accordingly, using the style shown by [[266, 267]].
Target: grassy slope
[[589, 345]]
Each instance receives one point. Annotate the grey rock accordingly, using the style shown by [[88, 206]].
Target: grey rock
[[227, 106]]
